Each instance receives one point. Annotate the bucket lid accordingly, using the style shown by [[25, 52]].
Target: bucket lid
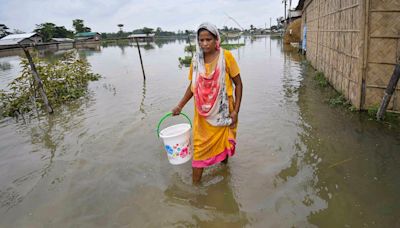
[[175, 130]]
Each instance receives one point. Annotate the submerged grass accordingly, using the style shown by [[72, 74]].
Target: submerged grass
[[320, 78], [339, 100], [388, 117], [186, 60]]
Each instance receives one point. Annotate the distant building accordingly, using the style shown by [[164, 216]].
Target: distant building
[[143, 37], [293, 15], [63, 43], [25, 39], [88, 36], [62, 40]]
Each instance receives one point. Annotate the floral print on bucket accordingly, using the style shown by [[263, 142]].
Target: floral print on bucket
[[178, 150]]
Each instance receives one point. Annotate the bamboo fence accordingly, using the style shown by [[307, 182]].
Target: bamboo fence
[[356, 43]]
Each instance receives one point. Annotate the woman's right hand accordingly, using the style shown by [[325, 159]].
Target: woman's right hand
[[176, 110]]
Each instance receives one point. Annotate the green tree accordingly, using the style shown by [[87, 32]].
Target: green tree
[[79, 26], [158, 31], [49, 30], [62, 32], [147, 31], [46, 30]]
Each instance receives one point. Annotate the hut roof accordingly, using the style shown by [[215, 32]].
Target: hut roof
[[86, 34], [19, 36], [11, 41]]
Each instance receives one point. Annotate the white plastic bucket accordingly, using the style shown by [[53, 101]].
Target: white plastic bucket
[[177, 141]]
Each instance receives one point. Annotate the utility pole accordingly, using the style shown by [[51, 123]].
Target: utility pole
[[270, 24], [284, 18]]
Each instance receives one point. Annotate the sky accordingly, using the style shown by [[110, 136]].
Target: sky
[[104, 15]]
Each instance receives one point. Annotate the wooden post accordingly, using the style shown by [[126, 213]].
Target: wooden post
[[140, 56], [38, 80], [388, 92]]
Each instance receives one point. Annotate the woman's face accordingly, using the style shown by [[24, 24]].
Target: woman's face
[[207, 41]]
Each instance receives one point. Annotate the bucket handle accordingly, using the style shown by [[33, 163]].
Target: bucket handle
[[168, 115]]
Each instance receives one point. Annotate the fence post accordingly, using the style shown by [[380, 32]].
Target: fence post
[[37, 80], [140, 56], [389, 92]]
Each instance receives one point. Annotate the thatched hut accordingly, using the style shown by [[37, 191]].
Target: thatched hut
[[356, 43]]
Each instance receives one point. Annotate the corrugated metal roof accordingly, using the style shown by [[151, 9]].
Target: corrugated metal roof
[[11, 41], [19, 36], [86, 34]]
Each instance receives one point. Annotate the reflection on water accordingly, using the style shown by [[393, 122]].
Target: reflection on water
[[160, 42], [98, 162], [355, 164], [142, 105], [214, 203], [5, 66]]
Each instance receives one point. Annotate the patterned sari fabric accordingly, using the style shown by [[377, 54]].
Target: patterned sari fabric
[[213, 139], [209, 89]]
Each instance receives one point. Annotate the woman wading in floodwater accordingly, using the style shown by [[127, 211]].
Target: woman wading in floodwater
[[217, 102]]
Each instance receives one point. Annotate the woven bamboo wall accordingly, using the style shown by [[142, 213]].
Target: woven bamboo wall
[[383, 51], [334, 44]]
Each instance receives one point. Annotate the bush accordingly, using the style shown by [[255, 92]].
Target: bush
[[63, 81]]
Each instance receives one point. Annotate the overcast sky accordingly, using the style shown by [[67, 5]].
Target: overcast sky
[[104, 15]]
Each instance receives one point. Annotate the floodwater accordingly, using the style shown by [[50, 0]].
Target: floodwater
[[98, 162]]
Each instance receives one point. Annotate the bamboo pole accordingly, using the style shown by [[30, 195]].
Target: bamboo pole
[[38, 80], [389, 92], [140, 56], [365, 41]]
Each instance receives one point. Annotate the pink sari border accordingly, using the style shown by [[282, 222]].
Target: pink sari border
[[217, 158]]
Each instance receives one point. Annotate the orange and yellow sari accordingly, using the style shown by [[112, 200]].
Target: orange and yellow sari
[[212, 144]]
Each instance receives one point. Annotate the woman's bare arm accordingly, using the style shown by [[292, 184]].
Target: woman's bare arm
[[238, 99], [188, 95]]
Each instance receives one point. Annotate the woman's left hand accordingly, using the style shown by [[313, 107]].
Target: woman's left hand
[[234, 116]]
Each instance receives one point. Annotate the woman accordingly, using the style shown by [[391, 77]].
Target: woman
[[216, 109]]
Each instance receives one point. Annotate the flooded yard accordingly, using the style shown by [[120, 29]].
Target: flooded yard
[[97, 162]]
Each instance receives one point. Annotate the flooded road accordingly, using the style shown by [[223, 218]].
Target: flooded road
[[98, 162]]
